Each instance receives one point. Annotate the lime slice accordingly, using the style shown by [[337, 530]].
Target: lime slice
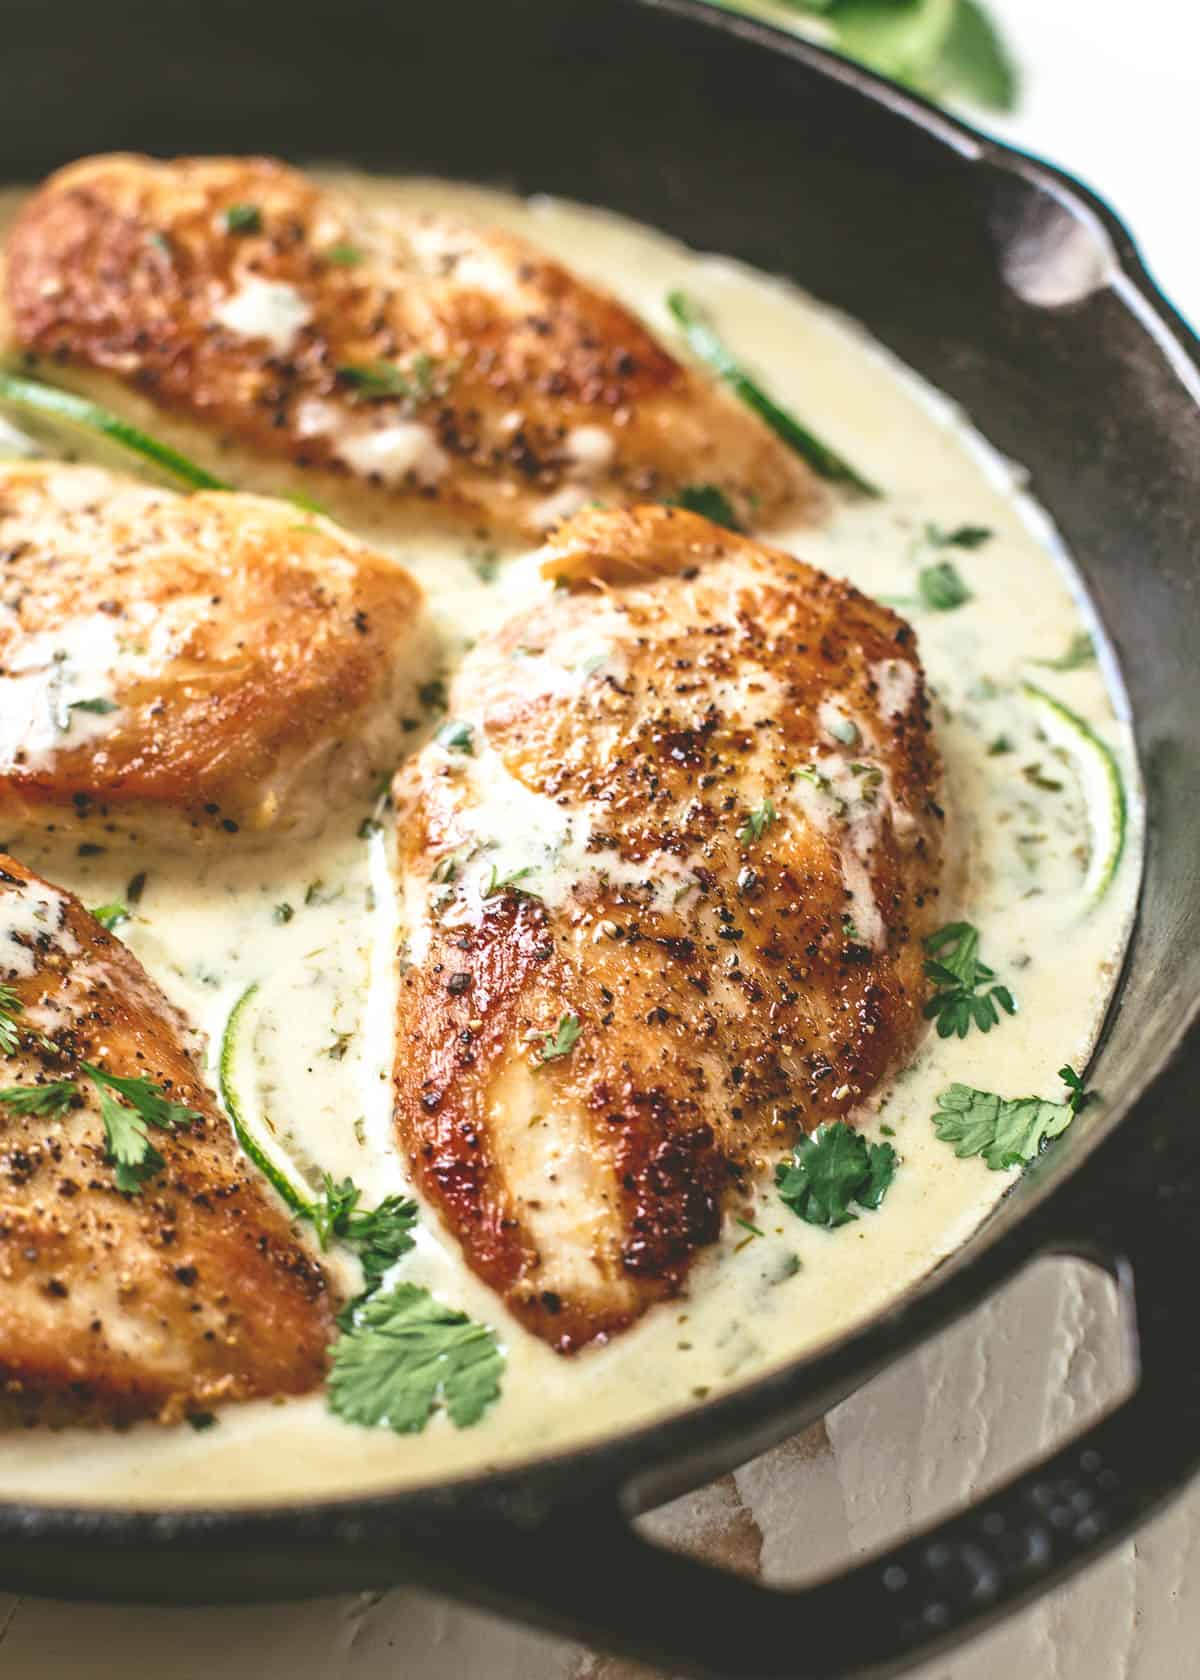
[[68, 423], [1100, 783], [236, 1077]]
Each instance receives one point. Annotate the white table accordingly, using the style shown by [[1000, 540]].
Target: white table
[[1119, 103]]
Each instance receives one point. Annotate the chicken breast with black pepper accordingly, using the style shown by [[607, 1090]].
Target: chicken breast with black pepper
[[450, 366], [193, 664], [180, 1292], [666, 871]]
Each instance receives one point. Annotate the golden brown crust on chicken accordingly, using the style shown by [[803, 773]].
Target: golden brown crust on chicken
[[517, 389], [188, 1294], [705, 772], [211, 662]]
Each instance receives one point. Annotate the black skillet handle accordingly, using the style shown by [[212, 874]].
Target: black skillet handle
[[591, 1575]]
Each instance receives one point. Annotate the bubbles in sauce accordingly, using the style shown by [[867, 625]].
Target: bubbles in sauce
[[318, 928]]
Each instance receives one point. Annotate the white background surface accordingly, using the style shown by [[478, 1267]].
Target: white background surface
[[1112, 91]]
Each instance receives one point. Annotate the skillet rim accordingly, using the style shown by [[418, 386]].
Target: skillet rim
[[951, 1288]]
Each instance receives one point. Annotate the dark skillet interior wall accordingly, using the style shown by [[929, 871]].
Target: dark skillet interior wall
[[736, 151]]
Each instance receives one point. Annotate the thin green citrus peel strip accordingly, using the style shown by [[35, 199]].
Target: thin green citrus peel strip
[[72, 419], [1100, 782], [234, 1044]]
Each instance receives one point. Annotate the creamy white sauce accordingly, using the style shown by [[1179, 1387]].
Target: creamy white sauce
[[322, 1026]]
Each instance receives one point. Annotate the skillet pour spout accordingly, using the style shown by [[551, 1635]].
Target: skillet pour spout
[[1017, 293]]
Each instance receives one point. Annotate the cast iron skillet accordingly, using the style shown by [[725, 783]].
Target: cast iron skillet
[[1019, 294]]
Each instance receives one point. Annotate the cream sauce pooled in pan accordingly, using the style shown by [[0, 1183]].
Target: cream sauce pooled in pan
[[318, 1042]]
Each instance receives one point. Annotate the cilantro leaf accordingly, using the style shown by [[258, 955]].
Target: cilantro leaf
[[129, 1148], [110, 915], [953, 964], [709, 347], [941, 586], [831, 1169], [53, 1098], [709, 501], [1007, 1132], [100, 706], [1080, 651], [757, 821], [405, 1353], [562, 1040], [344, 255]]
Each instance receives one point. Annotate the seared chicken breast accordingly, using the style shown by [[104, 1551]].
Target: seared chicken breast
[[666, 873], [456, 366], [210, 662], [181, 1292]]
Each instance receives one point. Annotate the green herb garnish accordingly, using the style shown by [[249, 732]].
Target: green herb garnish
[[562, 1040], [54, 1098], [456, 736], [962, 536], [100, 706], [379, 1236], [405, 1353], [344, 255], [710, 348], [282, 914], [497, 883], [243, 218], [945, 49], [110, 915], [831, 1169], [941, 587], [383, 381], [709, 501], [10, 1007], [1081, 651], [1007, 1132], [756, 822], [953, 965]]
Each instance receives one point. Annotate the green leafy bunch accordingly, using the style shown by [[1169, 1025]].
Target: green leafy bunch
[[944, 49]]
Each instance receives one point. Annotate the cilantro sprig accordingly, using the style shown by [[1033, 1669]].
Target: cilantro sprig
[[379, 1235], [406, 1355], [954, 965], [831, 1169], [127, 1115], [127, 1122], [1006, 1131]]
